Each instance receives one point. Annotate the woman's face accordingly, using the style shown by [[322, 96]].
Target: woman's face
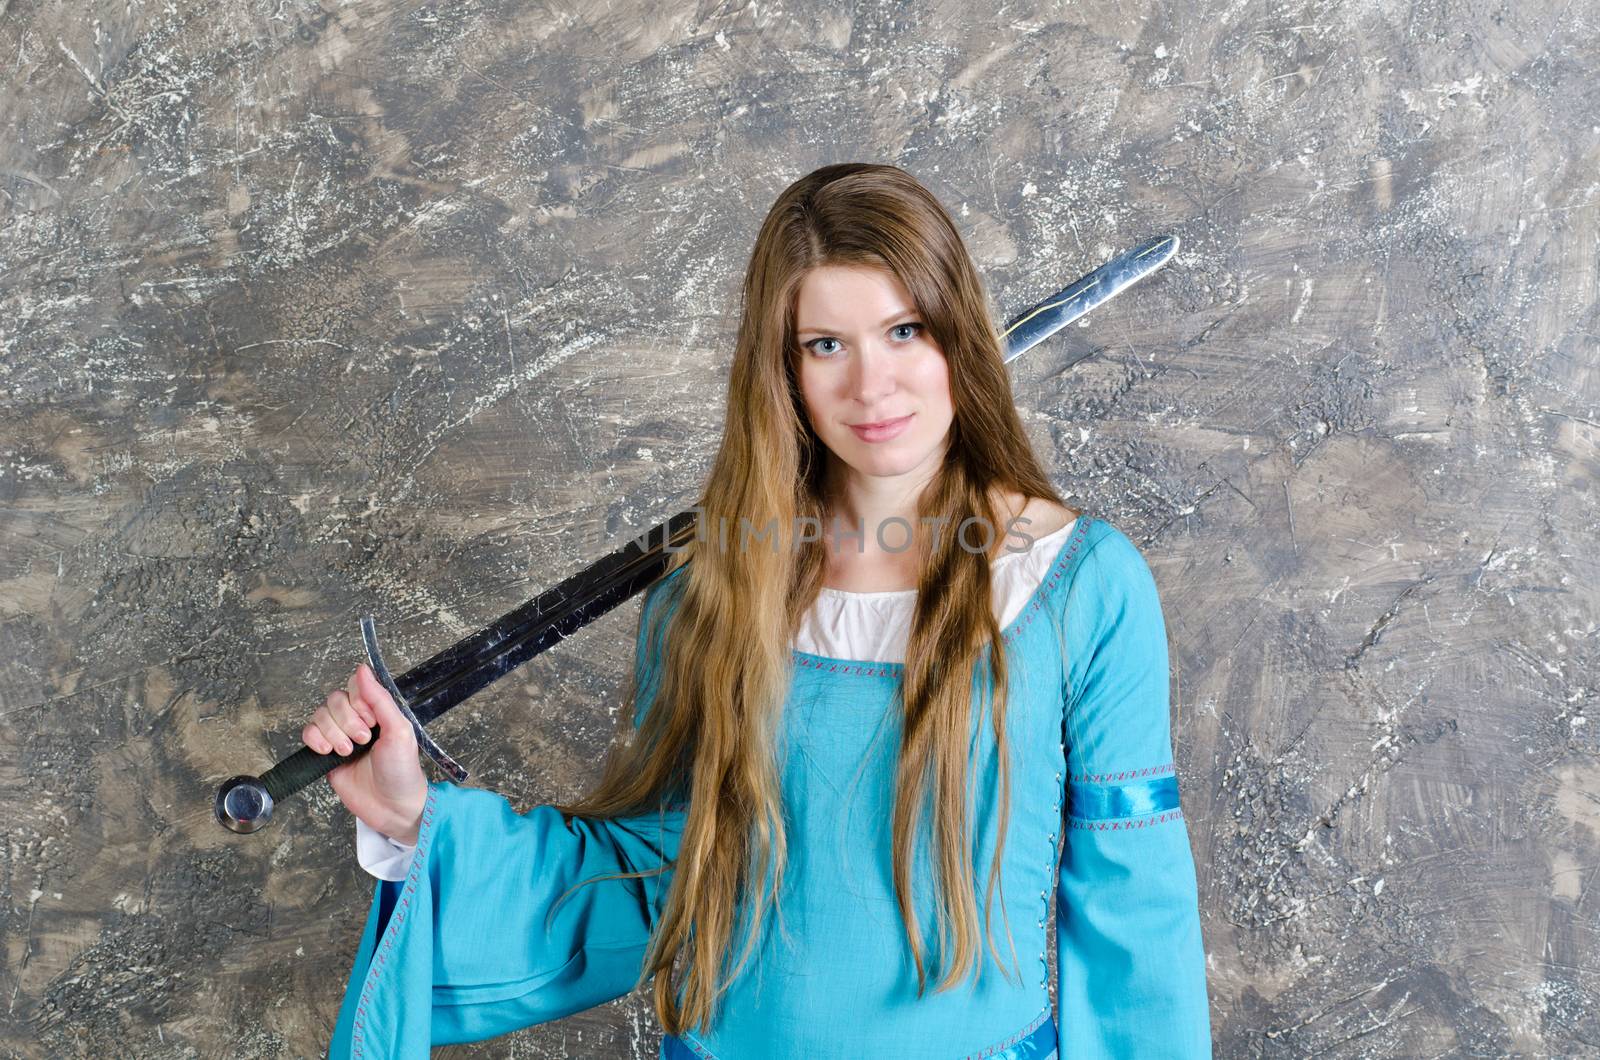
[[866, 358]]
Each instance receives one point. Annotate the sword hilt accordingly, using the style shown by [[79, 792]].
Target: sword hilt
[[244, 803]]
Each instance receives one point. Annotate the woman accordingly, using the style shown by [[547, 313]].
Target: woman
[[859, 753]]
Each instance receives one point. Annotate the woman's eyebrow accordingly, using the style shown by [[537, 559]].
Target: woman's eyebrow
[[885, 323]]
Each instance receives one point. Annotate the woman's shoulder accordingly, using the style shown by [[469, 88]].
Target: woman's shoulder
[[1107, 573], [1113, 553]]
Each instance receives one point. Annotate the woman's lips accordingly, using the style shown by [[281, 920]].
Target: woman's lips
[[882, 432]]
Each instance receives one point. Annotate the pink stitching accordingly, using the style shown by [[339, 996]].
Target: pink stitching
[[1038, 1021], [396, 918], [1127, 774], [696, 1048], [1056, 574], [1122, 825], [868, 671]]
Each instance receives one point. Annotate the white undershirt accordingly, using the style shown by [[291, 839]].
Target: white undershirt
[[841, 625]]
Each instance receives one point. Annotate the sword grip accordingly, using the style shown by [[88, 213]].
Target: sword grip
[[244, 803], [306, 766]]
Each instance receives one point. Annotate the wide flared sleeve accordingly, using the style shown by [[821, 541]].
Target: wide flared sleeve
[[473, 943], [1130, 962]]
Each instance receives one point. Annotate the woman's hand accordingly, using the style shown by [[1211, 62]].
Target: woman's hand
[[385, 787]]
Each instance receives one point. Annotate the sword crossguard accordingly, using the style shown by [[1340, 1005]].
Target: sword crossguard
[[369, 637]]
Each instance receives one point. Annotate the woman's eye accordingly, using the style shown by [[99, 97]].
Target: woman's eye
[[813, 345]]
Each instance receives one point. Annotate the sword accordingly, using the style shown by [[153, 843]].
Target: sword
[[245, 803]]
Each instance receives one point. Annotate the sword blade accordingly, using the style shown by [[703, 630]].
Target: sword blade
[[1033, 326], [427, 690]]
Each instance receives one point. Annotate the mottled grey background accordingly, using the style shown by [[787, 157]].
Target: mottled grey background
[[310, 310]]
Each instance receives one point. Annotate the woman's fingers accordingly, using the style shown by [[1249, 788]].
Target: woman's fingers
[[345, 715], [349, 714], [338, 721], [329, 739], [377, 698], [358, 702], [319, 732], [312, 737]]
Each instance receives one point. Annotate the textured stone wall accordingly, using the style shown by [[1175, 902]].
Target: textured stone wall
[[310, 311]]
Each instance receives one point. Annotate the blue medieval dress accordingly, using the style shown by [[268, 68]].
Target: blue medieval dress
[[464, 947]]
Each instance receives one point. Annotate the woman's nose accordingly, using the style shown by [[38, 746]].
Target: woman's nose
[[871, 376]]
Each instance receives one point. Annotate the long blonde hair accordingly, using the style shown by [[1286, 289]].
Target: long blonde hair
[[709, 736]]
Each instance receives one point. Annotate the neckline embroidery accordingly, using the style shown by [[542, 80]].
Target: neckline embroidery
[[1030, 609]]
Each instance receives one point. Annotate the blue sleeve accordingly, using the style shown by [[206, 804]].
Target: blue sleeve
[[1130, 966], [472, 943]]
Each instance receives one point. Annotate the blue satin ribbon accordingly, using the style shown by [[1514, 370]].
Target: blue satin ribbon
[[1040, 1045], [673, 1048], [1102, 802]]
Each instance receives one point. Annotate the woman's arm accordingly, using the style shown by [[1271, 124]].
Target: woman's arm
[[1130, 962], [471, 942]]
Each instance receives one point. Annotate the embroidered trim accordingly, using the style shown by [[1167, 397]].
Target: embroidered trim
[[1123, 824], [683, 1047], [819, 662], [1035, 1024], [397, 917], [1129, 774], [1057, 570]]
